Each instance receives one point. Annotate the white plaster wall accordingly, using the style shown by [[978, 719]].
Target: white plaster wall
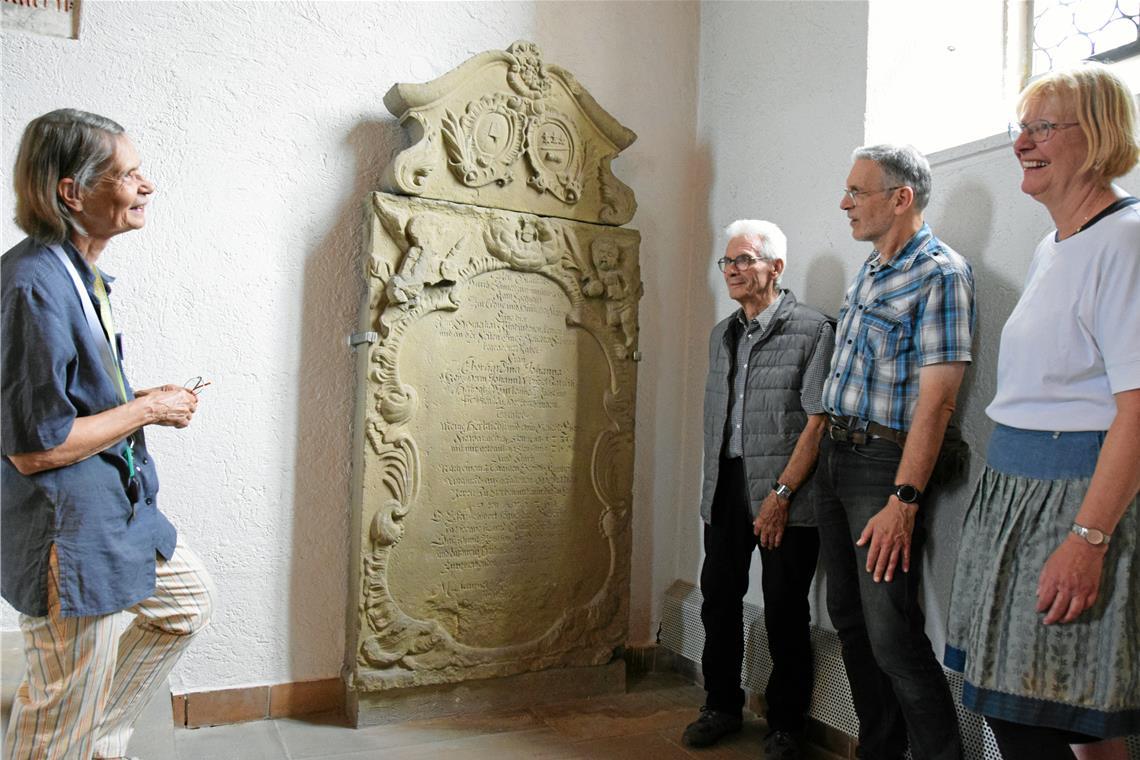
[[784, 87], [782, 97], [942, 61], [263, 125]]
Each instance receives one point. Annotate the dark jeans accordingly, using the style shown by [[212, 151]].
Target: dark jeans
[[896, 683], [787, 574]]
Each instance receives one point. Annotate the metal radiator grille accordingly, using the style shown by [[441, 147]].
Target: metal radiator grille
[[682, 633]]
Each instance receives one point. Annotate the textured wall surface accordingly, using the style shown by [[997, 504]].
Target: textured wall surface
[[786, 159], [263, 126], [773, 142]]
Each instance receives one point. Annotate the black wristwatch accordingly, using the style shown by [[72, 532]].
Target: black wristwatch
[[783, 491], [907, 494]]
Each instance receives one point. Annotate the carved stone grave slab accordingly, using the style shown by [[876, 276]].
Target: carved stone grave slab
[[497, 471], [493, 469]]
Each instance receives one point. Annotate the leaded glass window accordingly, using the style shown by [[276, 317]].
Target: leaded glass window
[[1066, 32]]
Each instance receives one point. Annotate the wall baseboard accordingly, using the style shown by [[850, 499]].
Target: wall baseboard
[[284, 700]]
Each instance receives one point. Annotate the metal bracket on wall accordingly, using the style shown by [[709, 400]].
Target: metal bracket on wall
[[356, 339]]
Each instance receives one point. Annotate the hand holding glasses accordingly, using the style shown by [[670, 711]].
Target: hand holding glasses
[[196, 384], [134, 486]]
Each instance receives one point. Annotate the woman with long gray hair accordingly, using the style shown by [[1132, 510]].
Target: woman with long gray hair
[[83, 537]]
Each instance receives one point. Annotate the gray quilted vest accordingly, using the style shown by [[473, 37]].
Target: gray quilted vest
[[773, 415]]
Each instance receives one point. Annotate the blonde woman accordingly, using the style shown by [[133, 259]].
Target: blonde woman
[[1045, 611]]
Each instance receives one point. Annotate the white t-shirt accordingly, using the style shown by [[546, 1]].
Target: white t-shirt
[[1073, 339]]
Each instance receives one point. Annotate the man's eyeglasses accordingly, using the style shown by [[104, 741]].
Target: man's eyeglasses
[[855, 195], [1039, 130], [743, 261]]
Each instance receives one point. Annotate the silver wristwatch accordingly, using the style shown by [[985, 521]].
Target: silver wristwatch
[[1092, 535], [782, 491]]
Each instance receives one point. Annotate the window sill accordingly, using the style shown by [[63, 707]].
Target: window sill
[[991, 144]]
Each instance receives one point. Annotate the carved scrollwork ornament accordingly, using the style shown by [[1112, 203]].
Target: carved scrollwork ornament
[[484, 143]]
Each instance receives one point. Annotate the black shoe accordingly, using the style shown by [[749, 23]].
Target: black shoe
[[710, 727], [780, 745]]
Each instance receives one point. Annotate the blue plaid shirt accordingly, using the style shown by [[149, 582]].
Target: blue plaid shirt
[[899, 316]]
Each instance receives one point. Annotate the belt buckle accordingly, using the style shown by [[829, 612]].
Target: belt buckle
[[837, 433]]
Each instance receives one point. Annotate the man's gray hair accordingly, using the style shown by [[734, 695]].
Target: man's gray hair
[[901, 165], [769, 240], [62, 144]]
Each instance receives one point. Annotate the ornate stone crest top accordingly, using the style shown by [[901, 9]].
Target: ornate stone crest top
[[506, 130]]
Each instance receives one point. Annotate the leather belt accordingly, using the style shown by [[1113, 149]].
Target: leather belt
[[840, 429]]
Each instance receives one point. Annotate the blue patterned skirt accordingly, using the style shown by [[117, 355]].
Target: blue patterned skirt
[[1082, 676]]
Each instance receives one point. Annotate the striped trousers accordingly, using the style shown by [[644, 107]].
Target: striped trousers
[[85, 684]]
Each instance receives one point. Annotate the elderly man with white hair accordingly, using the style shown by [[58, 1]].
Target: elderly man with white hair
[[764, 419]]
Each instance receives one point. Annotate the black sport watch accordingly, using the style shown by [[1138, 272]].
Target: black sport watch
[[907, 494]]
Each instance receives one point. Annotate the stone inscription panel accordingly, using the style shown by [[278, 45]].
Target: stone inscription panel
[[505, 535]]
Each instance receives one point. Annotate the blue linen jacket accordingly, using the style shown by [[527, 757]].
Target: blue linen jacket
[[50, 374]]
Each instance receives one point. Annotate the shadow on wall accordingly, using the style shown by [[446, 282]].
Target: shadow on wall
[[825, 283], [701, 315], [968, 224], [331, 288]]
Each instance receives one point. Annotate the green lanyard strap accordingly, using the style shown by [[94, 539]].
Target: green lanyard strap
[[109, 326]]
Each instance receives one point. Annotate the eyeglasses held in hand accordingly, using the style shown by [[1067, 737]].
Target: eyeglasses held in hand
[[196, 384]]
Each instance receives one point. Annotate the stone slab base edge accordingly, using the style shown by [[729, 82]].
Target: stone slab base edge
[[239, 705], [491, 694]]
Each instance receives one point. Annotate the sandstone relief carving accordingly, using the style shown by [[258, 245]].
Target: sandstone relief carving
[[496, 477], [484, 144], [506, 115]]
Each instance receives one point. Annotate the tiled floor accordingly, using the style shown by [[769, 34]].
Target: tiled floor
[[645, 723]]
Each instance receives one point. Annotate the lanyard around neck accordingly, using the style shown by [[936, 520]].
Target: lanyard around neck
[[104, 340]]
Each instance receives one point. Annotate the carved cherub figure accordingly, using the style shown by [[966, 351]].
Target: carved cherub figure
[[621, 299]]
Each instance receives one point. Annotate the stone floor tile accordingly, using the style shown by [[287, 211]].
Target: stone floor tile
[[257, 740], [656, 682], [537, 744], [748, 742], [686, 694], [153, 736], [323, 735], [627, 715], [635, 747]]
